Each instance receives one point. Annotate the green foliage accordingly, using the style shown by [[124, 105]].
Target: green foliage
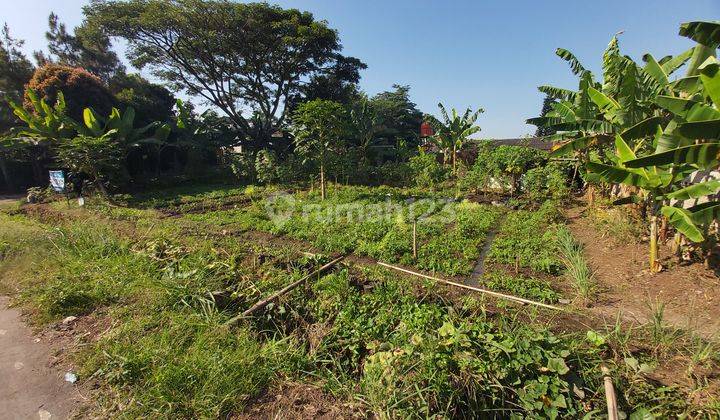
[[526, 287], [98, 157], [426, 171], [503, 166], [577, 269], [547, 182], [527, 239], [189, 45], [452, 133]]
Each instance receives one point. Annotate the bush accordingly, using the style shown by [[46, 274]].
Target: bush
[[426, 170], [243, 166], [266, 166], [543, 182], [81, 88]]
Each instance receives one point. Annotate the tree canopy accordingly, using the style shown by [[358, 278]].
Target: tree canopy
[[243, 58]]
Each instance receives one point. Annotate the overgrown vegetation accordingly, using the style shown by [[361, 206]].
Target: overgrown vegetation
[[396, 346]]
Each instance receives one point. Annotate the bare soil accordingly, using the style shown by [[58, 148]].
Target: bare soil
[[32, 384], [691, 293], [301, 401]]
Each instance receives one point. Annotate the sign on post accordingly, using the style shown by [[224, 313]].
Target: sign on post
[[57, 181]]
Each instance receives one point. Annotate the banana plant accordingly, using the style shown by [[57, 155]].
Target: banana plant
[[657, 185], [453, 131], [46, 123]]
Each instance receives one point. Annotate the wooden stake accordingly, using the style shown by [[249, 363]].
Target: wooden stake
[[415, 239], [264, 302], [612, 408], [475, 289]]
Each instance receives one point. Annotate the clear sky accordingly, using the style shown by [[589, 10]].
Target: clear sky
[[489, 54]]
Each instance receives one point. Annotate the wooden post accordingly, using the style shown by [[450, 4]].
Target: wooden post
[[415, 239], [612, 408]]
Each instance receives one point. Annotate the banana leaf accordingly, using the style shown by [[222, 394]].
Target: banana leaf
[[575, 65], [617, 175], [646, 127], [703, 155], [705, 213], [682, 220], [710, 78], [676, 62], [577, 144], [686, 109], [608, 106], [655, 69], [690, 84], [706, 33], [702, 130], [700, 189], [624, 152], [558, 93]]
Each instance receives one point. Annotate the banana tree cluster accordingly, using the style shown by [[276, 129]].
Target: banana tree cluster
[[641, 129], [78, 144], [452, 133]]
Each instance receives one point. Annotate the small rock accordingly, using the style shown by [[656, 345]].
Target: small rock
[[71, 377], [564, 301], [37, 340], [44, 415], [68, 320], [19, 365]]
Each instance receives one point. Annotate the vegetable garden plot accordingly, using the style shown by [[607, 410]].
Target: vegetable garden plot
[[449, 234]]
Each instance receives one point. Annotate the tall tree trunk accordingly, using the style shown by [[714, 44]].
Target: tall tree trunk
[[322, 181], [7, 176]]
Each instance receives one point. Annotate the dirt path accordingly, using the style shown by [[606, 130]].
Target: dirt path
[[479, 268], [29, 387], [690, 293]]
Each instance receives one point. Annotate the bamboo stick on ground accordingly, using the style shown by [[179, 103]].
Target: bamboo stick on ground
[[476, 289], [610, 398], [264, 302]]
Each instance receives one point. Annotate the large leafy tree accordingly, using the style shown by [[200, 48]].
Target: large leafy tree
[[81, 88], [152, 102], [15, 72], [87, 47], [400, 117], [243, 58], [320, 127]]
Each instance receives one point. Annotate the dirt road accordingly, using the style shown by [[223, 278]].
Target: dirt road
[[29, 387]]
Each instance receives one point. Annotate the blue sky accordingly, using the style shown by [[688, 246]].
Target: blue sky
[[489, 54]]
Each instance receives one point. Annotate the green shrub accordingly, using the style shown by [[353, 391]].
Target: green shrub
[[426, 170], [544, 182]]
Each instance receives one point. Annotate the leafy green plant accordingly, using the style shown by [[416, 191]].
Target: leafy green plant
[[452, 133]]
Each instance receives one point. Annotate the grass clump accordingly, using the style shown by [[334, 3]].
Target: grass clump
[[577, 269]]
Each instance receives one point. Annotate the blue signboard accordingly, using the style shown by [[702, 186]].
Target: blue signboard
[[57, 181]]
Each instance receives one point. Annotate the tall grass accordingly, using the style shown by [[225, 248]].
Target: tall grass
[[577, 269]]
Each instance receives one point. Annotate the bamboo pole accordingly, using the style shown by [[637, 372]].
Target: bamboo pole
[[610, 398], [475, 289], [415, 239], [264, 302]]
